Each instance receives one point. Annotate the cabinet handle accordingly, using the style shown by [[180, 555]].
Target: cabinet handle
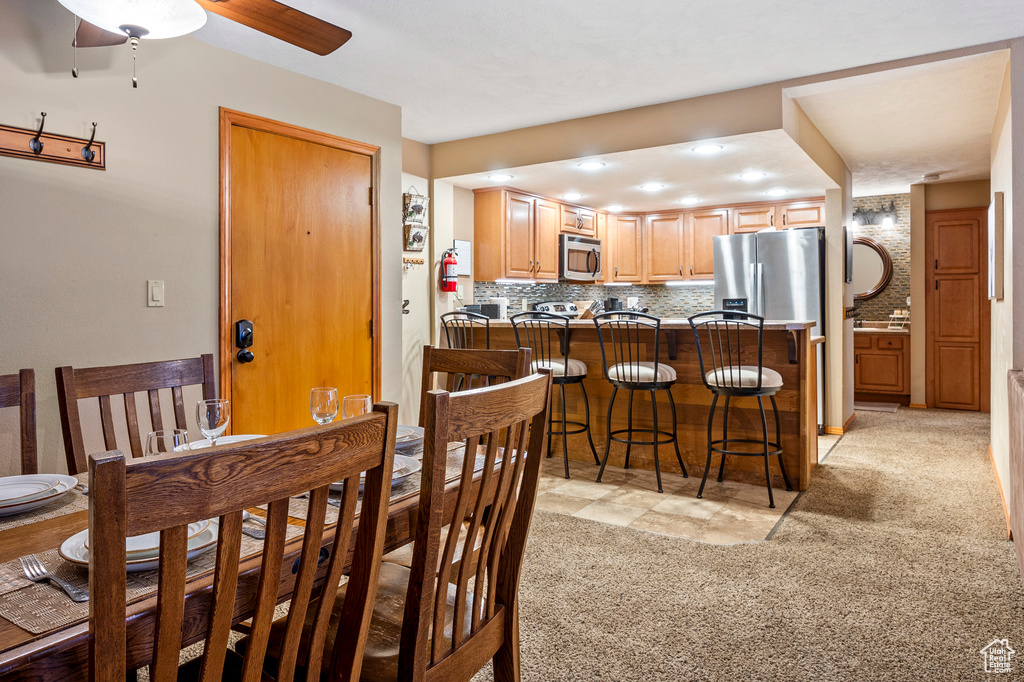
[[680, 270], [616, 270], [856, 359], [771, 220], [783, 219], [691, 271], [538, 266]]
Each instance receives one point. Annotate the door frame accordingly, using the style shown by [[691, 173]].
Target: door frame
[[984, 319], [230, 117]]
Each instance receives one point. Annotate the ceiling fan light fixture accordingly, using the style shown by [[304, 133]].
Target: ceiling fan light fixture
[[157, 18]]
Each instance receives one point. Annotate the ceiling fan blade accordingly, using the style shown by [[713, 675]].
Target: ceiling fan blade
[[89, 35], [282, 22]]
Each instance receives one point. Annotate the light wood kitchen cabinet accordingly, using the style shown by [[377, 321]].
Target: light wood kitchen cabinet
[[802, 214], [881, 363], [547, 217], [577, 220], [665, 247], [752, 218], [704, 227], [509, 241], [625, 233], [606, 248]]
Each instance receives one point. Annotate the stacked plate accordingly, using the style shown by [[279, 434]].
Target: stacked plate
[[404, 467], [23, 493], [143, 551], [408, 437]]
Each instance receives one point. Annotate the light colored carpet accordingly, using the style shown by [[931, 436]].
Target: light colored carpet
[[892, 566]]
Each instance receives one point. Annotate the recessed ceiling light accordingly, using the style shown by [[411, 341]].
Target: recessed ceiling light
[[591, 165], [614, 208], [690, 201], [708, 148], [752, 175], [572, 196], [930, 177], [499, 177], [778, 192], [652, 186]]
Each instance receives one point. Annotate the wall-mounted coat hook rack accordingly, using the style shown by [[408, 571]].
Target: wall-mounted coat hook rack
[[26, 143]]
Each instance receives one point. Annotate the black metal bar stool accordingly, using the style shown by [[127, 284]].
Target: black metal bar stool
[[462, 328], [547, 337], [726, 336], [629, 338]]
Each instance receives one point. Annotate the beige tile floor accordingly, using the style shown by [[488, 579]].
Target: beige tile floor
[[729, 512]]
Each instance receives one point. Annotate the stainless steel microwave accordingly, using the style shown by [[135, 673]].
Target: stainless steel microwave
[[579, 258]]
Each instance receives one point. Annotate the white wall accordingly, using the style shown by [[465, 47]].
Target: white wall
[[77, 245], [415, 324]]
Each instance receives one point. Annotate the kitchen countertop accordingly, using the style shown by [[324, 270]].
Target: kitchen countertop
[[880, 330], [683, 323]]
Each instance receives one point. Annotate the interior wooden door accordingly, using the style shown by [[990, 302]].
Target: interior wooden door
[[664, 247], [300, 260], [519, 235], [627, 253], [957, 330], [548, 218], [704, 227]]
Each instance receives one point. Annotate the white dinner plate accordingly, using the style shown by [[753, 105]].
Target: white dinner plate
[[73, 549], [404, 467], [223, 440], [64, 484], [408, 436], [16, 489], [148, 545]]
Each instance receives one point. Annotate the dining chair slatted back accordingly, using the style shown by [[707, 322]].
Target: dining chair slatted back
[[107, 383], [165, 493], [19, 390], [468, 369], [448, 631], [726, 342], [466, 330]]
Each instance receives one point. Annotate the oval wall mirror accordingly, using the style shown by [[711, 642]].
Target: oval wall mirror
[[872, 268]]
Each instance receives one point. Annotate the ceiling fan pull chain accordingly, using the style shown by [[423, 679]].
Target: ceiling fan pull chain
[[74, 45], [135, 51]]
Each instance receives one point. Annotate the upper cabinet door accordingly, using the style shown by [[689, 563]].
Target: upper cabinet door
[[548, 217], [570, 219], [704, 227], [752, 218], [519, 222], [587, 222], [626, 236], [606, 243], [665, 247], [803, 214]]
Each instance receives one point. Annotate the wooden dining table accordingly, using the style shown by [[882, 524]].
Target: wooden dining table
[[62, 654]]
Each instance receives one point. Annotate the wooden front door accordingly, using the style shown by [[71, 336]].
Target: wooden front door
[[300, 259], [957, 334]]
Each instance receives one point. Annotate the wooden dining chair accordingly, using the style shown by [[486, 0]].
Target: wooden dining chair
[[125, 381], [19, 390], [166, 493], [468, 369], [416, 607]]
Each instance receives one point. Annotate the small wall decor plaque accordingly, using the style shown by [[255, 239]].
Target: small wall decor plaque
[[415, 207], [415, 237]]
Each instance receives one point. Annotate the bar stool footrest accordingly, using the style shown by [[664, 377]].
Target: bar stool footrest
[[774, 448], [582, 428], [670, 437]]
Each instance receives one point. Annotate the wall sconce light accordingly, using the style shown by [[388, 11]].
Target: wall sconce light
[[885, 216]]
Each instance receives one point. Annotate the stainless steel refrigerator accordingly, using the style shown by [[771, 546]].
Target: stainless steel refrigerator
[[779, 275]]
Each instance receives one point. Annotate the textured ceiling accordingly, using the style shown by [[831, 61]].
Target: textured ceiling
[[894, 126], [712, 179], [460, 68]]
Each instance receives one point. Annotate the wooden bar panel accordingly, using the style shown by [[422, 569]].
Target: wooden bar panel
[[797, 403]]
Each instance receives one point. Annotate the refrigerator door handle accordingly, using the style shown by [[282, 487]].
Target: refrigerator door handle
[[759, 288], [755, 303]]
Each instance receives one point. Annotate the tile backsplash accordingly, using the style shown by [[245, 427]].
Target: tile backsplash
[[663, 301]]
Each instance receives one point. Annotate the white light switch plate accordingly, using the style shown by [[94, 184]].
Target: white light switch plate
[[155, 297]]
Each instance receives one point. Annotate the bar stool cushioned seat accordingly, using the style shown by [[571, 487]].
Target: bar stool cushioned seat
[[574, 367], [641, 371], [744, 376]]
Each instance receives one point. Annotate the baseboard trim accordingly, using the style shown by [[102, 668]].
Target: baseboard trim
[[918, 406], [1002, 496], [833, 430], [846, 426]]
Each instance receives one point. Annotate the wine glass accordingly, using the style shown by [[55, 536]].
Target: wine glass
[[166, 440], [213, 417], [355, 405], [323, 404]]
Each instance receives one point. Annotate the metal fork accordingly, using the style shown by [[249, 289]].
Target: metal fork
[[36, 572]]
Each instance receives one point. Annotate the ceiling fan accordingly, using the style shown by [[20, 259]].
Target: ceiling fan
[[115, 22]]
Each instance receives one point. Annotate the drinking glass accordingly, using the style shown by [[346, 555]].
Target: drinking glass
[[323, 404], [167, 440], [213, 417], [355, 405]]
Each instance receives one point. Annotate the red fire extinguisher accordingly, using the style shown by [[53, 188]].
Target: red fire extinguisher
[[449, 278]]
